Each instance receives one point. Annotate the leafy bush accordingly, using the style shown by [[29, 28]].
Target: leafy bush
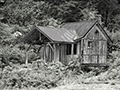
[[38, 74], [112, 73], [14, 55]]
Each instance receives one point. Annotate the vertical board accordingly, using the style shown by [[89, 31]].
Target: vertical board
[[85, 57], [102, 59], [62, 53], [85, 47], [98, 52], [94, 59], [78, 48], [51, 54], [50, 59], [57, 52], [47, 53]]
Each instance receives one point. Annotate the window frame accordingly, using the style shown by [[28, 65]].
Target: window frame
[[90, 44], [75, 49], [68, 49]]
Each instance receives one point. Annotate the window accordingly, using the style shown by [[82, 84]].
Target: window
[[75, 49], [96, 32], [69, 49], [96, 35], [90, 44], [69, 46]]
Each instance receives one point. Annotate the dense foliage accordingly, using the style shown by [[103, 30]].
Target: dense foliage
[[40, 74]]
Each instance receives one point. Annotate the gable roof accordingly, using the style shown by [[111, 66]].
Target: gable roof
[[69, 32], [104, 32], [81, 28], [56, 34], [52, 33]]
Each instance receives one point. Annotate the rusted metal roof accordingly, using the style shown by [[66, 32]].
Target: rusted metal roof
[[81, 28], [30, 37], [56, 34], [70, 32]]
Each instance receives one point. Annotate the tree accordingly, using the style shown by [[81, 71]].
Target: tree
[[108, 9]]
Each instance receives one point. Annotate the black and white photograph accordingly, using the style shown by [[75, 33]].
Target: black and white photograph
[[59, 44]]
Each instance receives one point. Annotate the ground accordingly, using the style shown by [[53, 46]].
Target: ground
[[79, 87], [88, 87]]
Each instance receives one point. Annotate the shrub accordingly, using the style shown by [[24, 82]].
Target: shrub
[[38, 74], [20, 76]]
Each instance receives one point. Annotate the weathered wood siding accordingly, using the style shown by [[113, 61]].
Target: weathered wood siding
[[74, 55], [63, 53], [94, 47], [57, 54], [60, 52]]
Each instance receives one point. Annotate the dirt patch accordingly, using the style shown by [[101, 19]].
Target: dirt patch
[[89, 87]]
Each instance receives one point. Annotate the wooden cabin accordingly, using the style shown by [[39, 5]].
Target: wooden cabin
[[73, 40]]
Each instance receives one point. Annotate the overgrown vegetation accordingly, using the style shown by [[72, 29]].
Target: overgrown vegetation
[[40, 74], [18, 16]]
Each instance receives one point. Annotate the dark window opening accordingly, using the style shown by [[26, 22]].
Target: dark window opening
[[69, 46], [96, 35], [69, 49], [90, 44], [96, 32], [75, 49]]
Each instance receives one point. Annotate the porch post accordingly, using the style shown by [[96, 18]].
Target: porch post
[[27, 53], [57, 52], [78, 48], [44, 57], [40, 36], [106, 52], [82, 50], [54, 45], [72, 51]]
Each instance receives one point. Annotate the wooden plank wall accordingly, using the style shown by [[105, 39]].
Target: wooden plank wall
[[98, 53], [63, 53]]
